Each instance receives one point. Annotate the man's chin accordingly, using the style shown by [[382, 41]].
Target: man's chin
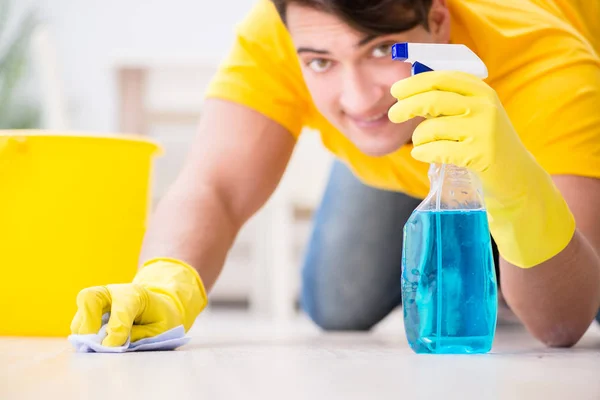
[[379, 149], [383, 142]]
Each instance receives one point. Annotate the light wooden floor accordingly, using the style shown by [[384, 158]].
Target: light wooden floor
[[233, 356]]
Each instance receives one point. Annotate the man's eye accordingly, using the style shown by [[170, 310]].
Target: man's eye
[[384, 50], [319, 64]]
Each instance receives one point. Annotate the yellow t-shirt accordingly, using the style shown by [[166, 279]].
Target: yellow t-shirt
[[543, 61]]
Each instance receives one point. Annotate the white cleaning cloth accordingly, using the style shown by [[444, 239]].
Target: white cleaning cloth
[[92, 343]]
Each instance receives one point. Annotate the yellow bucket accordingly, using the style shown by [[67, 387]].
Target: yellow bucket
[[73, 212]]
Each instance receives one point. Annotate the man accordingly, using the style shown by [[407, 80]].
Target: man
[[530, 132]]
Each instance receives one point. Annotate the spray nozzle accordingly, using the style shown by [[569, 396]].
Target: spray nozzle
[[442, 57]]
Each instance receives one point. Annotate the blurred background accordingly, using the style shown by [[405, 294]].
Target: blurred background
[[131, 66]]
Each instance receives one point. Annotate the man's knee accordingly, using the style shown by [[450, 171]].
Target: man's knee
[[331, 315], [344, 307]]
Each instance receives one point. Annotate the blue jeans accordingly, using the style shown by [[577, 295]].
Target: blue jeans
[[351, 273], [352, 270]]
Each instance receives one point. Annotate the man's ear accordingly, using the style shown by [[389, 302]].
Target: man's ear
[[439, 21]]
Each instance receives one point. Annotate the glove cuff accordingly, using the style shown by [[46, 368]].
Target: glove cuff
[[178, 280], [533, 228]]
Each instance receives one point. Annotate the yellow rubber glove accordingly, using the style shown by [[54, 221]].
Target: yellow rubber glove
[[164, 294], [466, 125]]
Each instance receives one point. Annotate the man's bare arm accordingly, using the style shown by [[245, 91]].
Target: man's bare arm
[[558, 299], [233, 167]]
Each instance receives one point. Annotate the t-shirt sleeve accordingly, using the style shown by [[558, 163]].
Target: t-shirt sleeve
[[557, 115], [546, 73], [262, 70]]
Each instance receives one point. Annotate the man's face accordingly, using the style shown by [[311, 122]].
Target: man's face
[[349, 75]]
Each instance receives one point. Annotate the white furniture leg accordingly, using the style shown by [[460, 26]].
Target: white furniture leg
[[52, 93], [272, 290]]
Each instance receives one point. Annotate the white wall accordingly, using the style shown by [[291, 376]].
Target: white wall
[[93, 35]]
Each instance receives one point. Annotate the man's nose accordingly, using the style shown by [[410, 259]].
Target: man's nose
[[359, 93]]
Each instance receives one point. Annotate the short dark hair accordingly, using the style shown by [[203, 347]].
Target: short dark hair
[[373, 17]]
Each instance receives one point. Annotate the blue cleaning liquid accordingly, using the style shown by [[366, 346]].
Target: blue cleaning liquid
[[449, 284]]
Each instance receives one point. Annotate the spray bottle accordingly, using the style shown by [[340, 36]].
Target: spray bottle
[[449, 287]]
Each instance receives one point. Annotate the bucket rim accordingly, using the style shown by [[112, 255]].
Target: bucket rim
[[81, 134]]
